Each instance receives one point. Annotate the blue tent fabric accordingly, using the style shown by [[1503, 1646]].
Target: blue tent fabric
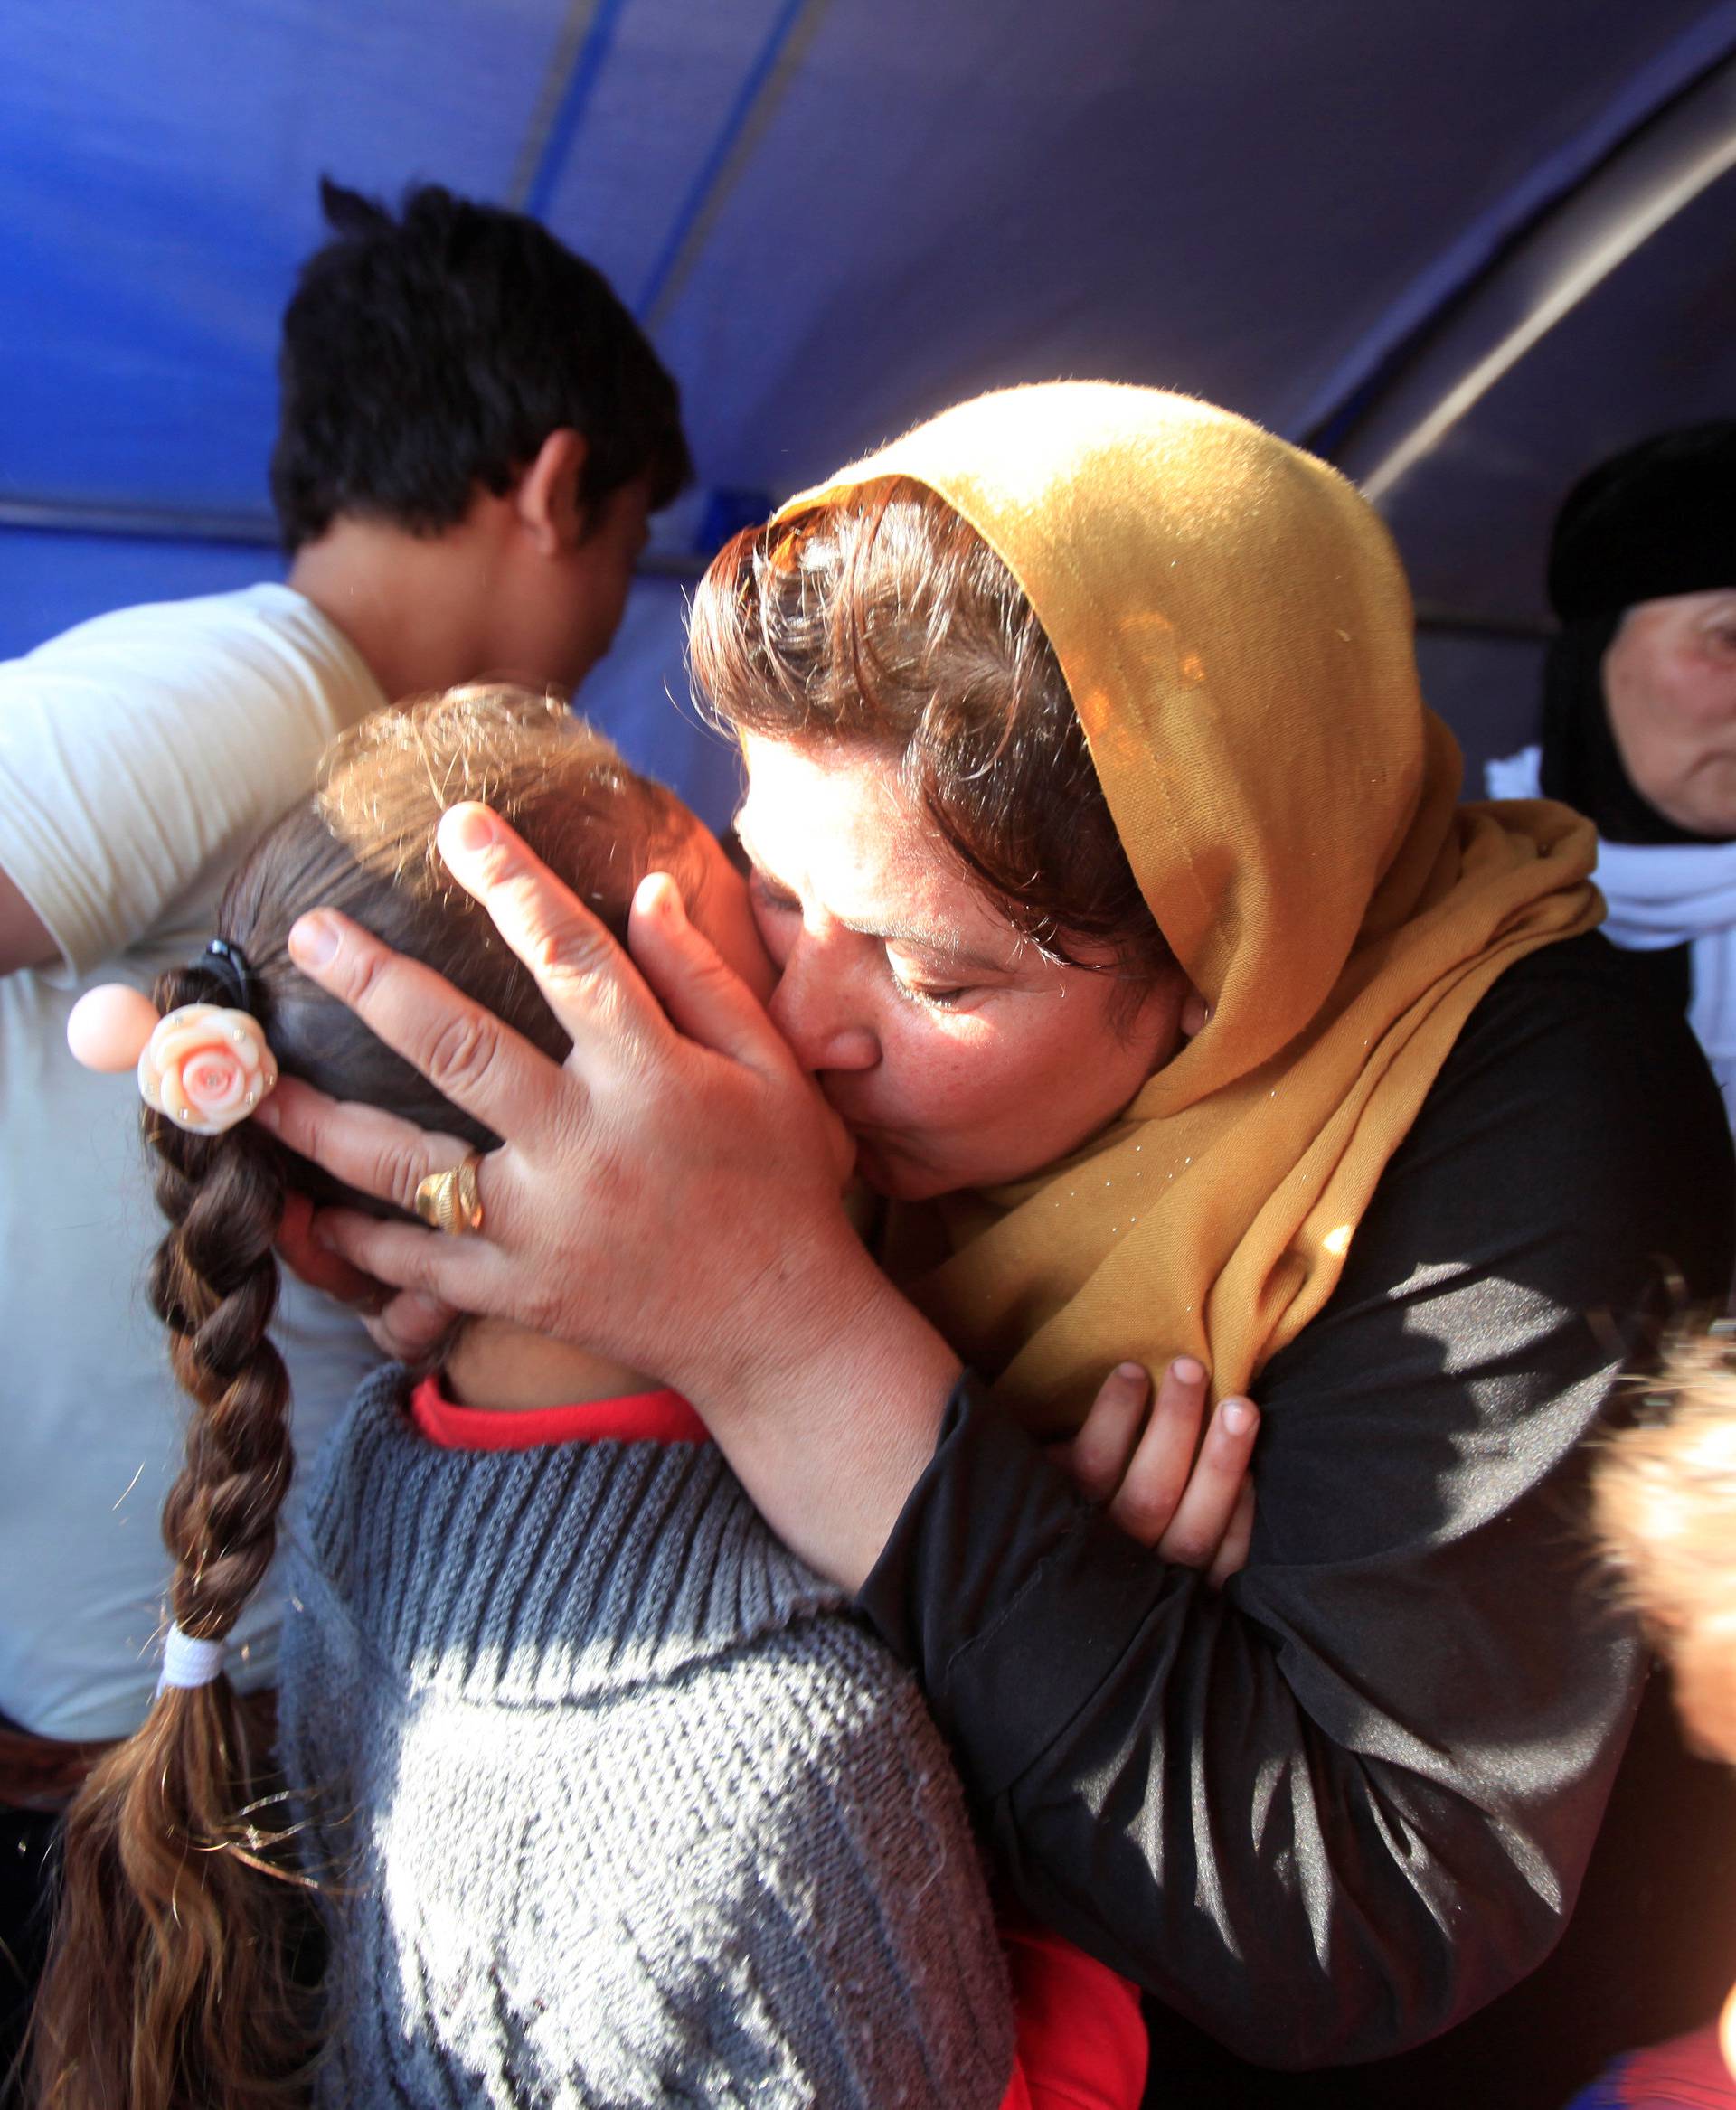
[[835, 216]]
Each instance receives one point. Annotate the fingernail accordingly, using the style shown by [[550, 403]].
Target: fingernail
[[1187, 1370], [468, 828], [266, 1115], [658, 895], [1238, 1417], [1130, 1373], [313, 940]]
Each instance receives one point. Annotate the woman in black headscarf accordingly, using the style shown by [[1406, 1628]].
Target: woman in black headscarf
[[1639, 710]]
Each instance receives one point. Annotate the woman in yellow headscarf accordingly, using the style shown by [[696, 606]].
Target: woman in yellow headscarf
[[1126, 917]]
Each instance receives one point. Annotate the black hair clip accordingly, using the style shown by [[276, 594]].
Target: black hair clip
[[229, 963]]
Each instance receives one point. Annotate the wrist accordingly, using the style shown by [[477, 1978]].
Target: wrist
[[832, 1414], [831, 1317]]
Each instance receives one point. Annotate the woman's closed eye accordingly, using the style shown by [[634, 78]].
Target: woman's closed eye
[[768, 898], [915, 987], [921, 982], [775, 913], [934, 999]]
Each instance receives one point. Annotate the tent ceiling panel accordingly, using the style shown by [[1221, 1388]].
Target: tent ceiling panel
[[925, 200], [1224, 199], [837, 215], [618, 172], [1649, 348], [159, 184]]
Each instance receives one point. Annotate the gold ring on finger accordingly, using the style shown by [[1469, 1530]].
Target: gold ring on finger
[[450, 1201]]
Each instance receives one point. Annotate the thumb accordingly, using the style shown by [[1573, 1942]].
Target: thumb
[[705, 999]]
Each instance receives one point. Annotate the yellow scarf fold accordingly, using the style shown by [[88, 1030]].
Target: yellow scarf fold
[[1236, 635]]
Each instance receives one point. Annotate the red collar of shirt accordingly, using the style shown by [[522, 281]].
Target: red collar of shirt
[[636, 1417]]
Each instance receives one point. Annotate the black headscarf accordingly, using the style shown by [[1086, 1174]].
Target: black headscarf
[[1659, 518]]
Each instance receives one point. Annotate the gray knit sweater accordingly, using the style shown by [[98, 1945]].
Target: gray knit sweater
[[612, 1803]]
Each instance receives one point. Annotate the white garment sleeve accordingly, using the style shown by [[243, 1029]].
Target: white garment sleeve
[[143, 752]]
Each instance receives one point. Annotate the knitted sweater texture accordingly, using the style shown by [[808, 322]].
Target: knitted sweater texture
[[611, 1803]]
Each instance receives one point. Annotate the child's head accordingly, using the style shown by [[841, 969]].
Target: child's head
[[364, 844], [1664, 1505], [173, 1978]]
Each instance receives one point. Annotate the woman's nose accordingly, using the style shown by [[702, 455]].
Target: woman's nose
[[814, 1008]]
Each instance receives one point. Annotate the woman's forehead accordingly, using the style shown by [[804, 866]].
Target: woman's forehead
[[836, 827], [838, 809], [803, 799]]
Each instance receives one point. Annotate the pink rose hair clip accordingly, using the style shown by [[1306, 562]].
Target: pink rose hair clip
[[204, 1067]]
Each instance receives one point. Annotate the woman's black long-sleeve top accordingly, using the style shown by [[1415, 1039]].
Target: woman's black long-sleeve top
[[1327, 1813]]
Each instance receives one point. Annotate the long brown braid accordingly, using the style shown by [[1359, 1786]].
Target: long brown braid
[[178, 1977], [171, 1915]]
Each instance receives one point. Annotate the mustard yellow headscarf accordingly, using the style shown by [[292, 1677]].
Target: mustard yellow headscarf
[[1236, 635]]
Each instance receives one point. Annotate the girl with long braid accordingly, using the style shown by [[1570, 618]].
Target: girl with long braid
[[175, 1976], [602, 1798]]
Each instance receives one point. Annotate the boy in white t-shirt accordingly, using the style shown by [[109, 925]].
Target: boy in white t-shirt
[[473, 432]]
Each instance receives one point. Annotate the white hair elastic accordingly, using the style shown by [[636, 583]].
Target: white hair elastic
[[188, 1663]]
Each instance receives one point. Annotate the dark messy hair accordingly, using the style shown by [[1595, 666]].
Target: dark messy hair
[[427, 355], [174, 1982], [882, 617]]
